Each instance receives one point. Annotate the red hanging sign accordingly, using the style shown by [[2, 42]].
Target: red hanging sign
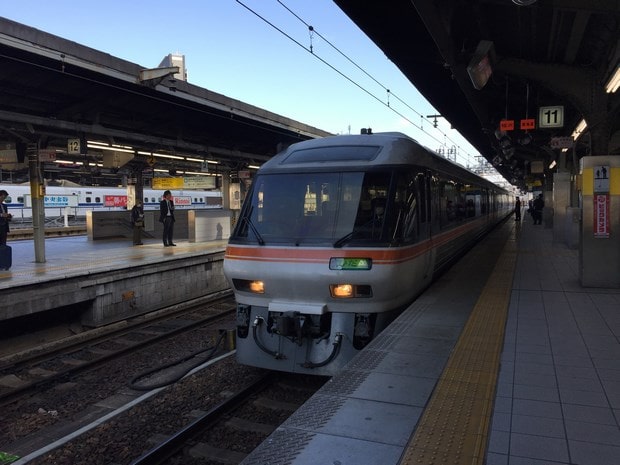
[[527, 124], [507, 125]]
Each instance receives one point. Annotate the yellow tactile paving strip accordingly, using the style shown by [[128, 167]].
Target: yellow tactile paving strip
[[455, 425]]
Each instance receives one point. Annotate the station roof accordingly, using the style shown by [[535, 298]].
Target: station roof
[[524, 55], [53, 90]]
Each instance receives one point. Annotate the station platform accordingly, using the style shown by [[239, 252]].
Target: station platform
[[107, 281], [77, 255], [505, 360]]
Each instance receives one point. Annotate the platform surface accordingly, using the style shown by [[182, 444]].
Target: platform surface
[[74, 255]]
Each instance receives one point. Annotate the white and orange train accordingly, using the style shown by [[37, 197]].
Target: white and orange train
[[77, 200], [338, 235]]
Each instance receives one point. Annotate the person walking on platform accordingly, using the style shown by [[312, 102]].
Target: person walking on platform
[[517, 209], [137, 221], [166, 216], [539, 204]]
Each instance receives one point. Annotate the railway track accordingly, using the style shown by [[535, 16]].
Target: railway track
[[37, 369], [217, 414], [233, 428], [78, 383]]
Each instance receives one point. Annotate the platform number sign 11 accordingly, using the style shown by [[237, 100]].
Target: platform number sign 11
[[551, 117]]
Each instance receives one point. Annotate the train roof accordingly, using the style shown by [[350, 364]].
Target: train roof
[[371, 151]]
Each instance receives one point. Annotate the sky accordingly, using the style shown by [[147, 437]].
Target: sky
[[261, 52]]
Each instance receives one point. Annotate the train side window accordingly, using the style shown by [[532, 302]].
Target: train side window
[[146, 200], [20, 199], [484, 202], [88, 200], [97, 199]]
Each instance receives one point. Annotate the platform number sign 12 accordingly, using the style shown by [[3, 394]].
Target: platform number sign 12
[[73, 146], [551, 117]]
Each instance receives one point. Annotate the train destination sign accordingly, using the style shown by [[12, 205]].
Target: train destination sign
[[50, 201]]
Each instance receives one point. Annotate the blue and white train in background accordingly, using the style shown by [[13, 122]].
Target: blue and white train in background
[[76, 201]]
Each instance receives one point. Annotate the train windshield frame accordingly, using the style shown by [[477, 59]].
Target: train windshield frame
[[316, 208]]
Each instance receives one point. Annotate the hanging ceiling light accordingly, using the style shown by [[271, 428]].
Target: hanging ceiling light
[[614, 82]]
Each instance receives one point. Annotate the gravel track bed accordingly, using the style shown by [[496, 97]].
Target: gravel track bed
[[61, 403], [130, 435]]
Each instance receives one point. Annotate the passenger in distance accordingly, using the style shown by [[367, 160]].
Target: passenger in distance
[[166, 216], [137, 221], [5, 217]]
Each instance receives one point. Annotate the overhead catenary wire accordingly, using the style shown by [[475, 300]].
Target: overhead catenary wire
[[311, 50]]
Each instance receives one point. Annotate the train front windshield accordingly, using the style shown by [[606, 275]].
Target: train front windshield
[[315, 208]]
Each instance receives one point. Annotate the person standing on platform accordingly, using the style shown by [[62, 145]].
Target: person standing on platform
[[5, 218], [539, 204], [137, 221], [517, 209], [166, 216]]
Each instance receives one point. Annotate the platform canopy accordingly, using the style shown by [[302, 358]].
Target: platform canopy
[[515, 77]]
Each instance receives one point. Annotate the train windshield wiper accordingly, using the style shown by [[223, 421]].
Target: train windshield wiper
[[247, 219], [344, 239]]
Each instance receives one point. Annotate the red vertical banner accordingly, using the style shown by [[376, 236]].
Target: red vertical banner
[[601, 215]]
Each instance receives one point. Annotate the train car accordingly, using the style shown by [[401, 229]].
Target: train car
[[80, 199], [337, 236]]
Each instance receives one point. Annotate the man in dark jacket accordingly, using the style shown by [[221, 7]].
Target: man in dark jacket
[[166, 216], [5, 217], [539, 204], [137, 221]]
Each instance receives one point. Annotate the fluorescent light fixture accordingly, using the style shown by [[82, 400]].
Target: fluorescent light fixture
[[552, 164], [579, 129], [108, 147], [161, 155], [614, 83], [254, 167]]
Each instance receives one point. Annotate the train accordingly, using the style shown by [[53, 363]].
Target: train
[[337, 236], [76, 200]]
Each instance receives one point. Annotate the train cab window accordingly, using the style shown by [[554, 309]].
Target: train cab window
[[309, 208], [407, 208], [374, 220]]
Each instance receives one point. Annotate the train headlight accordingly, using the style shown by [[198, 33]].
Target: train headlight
[[248, 285], [350, 263], [347, 291], [258, 287], [341, 291]]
